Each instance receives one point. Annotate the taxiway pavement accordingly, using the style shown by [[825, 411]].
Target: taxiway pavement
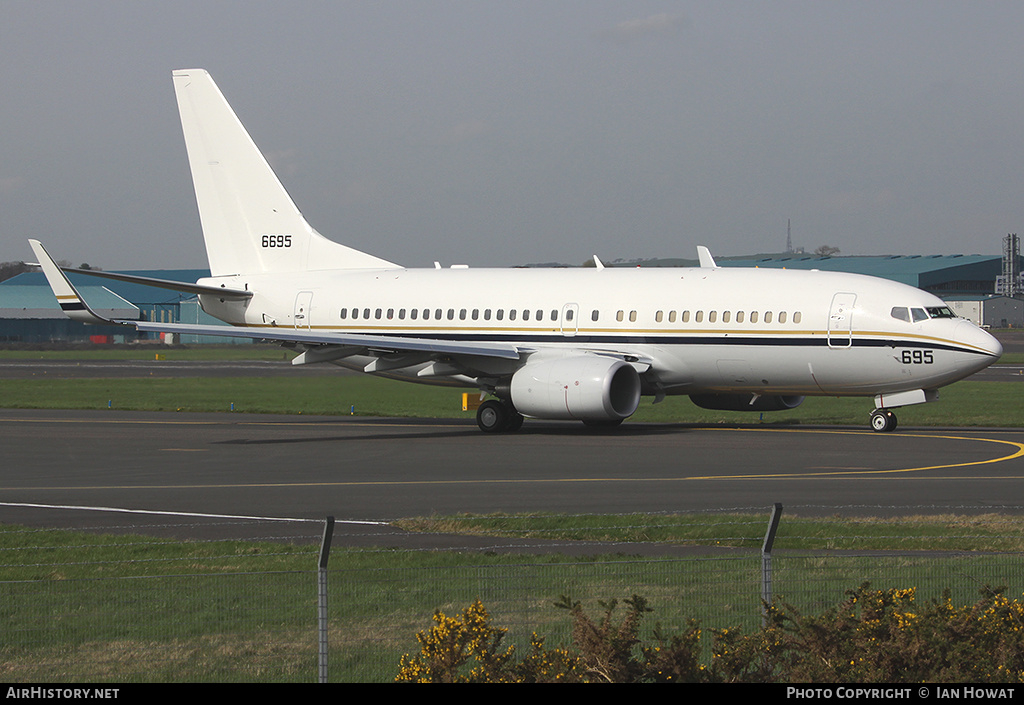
[[169, 472]]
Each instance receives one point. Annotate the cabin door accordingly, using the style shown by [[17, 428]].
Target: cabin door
[[840, 320], [303, 304]]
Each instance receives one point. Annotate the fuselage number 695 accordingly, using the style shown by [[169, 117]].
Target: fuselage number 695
[[277, 241], [916, 357]]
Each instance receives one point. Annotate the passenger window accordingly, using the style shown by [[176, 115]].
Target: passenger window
[[476, 314], [391, 313], [900, 313], [725, 316], [632, 316], [437, 314], [401, 314], [796, 317], [378, 313], [686, 317], [753, 316], [671, 316], [594, 315], [767, 316], [619, 316], [413, 313], [658, 316], [487, 314], [511, 314], [344, 313], [712, 316], [462, 314], [526, 314], [366, 313], [739, 316], [782, 316], [451, 314], [500, 314], [554, 315], [699, 317]]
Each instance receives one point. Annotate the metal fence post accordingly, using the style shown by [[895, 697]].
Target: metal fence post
[[766, 560], [325, 552]]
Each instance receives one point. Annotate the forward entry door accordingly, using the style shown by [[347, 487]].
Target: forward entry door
[[840, 320]]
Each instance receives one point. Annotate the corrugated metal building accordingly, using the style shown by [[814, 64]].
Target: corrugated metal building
[[29, 312], [989, 311]]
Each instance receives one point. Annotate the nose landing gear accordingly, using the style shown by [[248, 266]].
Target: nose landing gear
[[883, 420]]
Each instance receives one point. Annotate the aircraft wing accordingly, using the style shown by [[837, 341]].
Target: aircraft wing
[[382, 343]]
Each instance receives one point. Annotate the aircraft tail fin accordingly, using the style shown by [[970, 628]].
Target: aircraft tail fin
[[250, 223]]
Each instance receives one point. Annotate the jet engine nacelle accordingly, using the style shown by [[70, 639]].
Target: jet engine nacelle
[[745, 402], [585, 388]]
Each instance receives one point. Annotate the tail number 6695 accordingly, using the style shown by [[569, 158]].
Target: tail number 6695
[[277, 241]]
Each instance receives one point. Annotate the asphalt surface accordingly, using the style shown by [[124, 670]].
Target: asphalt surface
[[237, 475], [201, 474]]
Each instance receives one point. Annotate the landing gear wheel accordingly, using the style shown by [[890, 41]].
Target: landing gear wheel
[[883, 421], [515, 421], [495, 416], [492, 416]]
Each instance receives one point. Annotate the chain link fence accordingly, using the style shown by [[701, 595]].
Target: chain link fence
[[77, 606]]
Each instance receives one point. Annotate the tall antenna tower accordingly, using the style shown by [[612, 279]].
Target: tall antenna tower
[[1009, 283], [789, 236]]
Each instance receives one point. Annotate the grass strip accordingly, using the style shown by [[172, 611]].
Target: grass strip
[[964, 403]]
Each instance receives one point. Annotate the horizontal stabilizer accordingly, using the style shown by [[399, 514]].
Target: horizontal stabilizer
[[184, 287]]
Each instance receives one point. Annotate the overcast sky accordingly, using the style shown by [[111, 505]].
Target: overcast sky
[[500, 133]]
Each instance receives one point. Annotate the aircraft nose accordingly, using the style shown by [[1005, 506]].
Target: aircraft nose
[[972, 336]]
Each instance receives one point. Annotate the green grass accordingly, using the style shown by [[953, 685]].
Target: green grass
[[941, 533], [965, 403], [102, 608]]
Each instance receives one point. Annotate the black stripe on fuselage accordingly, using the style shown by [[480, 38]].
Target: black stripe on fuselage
[[584, 340]]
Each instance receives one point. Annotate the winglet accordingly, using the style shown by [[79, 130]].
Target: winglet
[[704, 254], [71, 303]]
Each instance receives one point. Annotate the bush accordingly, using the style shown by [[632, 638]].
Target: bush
[[873, 636]]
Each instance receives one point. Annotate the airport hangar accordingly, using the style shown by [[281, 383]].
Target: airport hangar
[[30, 314]]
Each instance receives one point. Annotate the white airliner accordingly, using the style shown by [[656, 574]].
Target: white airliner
[[583, 343]]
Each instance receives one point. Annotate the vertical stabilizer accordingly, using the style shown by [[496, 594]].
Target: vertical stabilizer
[[250, 223]]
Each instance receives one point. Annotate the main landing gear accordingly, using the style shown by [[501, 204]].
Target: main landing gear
[[883, 420], [495, 416]]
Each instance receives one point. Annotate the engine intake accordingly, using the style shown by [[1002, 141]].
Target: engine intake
[[585, 388]]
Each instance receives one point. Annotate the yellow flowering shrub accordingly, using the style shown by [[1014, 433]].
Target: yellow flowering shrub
[[872, 636]]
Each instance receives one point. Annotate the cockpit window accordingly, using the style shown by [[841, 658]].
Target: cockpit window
[[941, 312], [919, 314], [901, 313]]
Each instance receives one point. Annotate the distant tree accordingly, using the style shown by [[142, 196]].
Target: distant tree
[[826, 251], [12, 269]]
